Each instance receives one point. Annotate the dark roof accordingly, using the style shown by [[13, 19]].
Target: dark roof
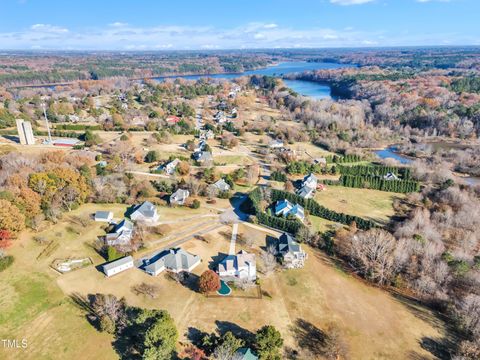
[[286, 243]]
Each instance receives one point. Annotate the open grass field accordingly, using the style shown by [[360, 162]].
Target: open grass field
[[370, 204], [35, 301]]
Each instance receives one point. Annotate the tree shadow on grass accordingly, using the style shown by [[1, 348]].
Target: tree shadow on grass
[[236, 330], [309, 337]]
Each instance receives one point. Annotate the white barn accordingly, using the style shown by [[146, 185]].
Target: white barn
[[118, 266]]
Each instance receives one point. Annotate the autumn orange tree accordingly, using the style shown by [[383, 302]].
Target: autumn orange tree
[[209, 281], [11, 218]]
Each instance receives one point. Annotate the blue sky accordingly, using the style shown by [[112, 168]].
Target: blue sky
[[232, 24]]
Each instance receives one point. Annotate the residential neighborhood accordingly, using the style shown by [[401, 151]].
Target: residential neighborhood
[[222, 203]]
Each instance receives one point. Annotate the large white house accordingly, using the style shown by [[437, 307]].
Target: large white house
[[290, 252], [145, 212], [286, 208], [179, 197], [241, 266], [121, 234], [222, 185], [118, 266], [310, 181]]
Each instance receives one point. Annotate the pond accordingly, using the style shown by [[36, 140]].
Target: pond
[[224, 289], [390, 153]]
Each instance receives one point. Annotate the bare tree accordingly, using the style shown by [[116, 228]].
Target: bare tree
[[371, 253], [269, 261], [146, 289]]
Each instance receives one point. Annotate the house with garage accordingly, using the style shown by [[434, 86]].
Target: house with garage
[[222, 185], [201, 145], [170, 167], [286, 208], [310, 181], [175, 260], [290, 252], [121, 235], [203, 157], [103, 216], [118, 266], [207, 134], [145, 212], [240, 266], [179, 197]]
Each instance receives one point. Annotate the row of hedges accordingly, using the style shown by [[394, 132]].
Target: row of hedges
[[302, 167], [378, 183], [311, 205], [316, 209], [375, 170], [337, 159]]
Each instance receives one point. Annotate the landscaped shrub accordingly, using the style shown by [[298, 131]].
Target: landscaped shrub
[[5, 262], [278, 176], [378, 183]]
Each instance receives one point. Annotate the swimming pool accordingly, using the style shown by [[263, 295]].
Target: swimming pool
[[224, 289]]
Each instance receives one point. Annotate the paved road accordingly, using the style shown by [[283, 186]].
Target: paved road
[[148, 174], [177, 243], [233, 240]]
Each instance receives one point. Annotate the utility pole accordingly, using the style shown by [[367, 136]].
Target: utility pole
[[46, 123]]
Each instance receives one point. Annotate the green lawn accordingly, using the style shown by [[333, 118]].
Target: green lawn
[[370, 204], [322, 225]]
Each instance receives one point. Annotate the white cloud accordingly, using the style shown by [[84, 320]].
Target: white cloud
[[350, 2], [118, 24], [47, 28], [123, 36]]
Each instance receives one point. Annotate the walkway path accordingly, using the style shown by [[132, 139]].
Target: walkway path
[[233, 239]]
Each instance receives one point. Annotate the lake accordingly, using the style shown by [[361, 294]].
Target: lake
[[307, 88], [390, 153]]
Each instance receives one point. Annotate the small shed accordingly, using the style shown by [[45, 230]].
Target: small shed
[[103, 216]]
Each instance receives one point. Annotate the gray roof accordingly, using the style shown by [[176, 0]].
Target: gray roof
[[175, 259], [125, 224], [286, 243], [202, 156], [305, 192], [116, 263], [102, 214], [147, 209], [222, 185], [155, 266]]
